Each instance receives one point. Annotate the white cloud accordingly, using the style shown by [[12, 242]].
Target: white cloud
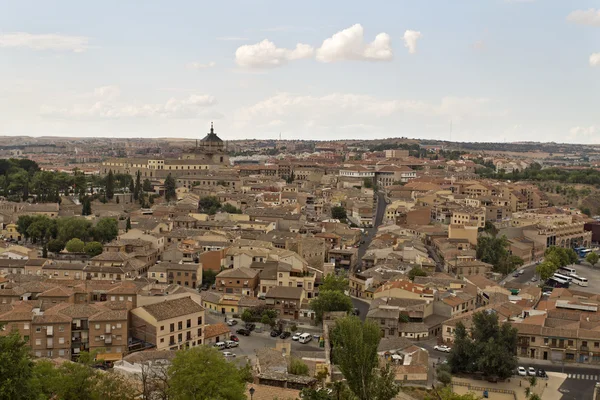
[[342, 109], [107, 106], [48, 41], [584, 134], [589, 17], [266, 55], [349, 44], [410, 40], [199, 65], [595, 60]]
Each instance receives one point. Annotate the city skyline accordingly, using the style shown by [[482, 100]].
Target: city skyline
[[494, 70]]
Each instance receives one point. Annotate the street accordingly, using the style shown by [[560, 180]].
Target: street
[[525, 278], [371, 232], [362, 307]]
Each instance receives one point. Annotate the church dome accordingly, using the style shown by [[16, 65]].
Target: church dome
[[211, 137]]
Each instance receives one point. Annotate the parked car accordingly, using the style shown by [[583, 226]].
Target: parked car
[[234, 338], [541, 373], [516, 275], [443, 348], [521, 271], [250, 327], [531, 371], [356, 311], [243, 332], [317, 336], [521, 371], [231, 343], [275, 333], [285, 335], [231, 322], [534, 279], [228, 354], [546, 294], [296, 336]]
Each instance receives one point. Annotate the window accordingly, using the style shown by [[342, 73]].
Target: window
[[118, 326], [570, 343], [162, 328], [180, 337], [199, 320], [596, 344], [180, 325], [61, 328], [38, 353], [162, 340], [38, 342], [173, 327], [189, 323], [26, 326], [61, 352], [61, 340], [38, 329], [97, 326], [199, 332], [533, 339]]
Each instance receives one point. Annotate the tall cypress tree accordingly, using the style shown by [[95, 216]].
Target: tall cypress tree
[[170, 192], [138, 185], [110, 185]]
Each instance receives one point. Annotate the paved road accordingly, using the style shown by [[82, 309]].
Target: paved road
[[529, 272], [371, 232], [362, 306]]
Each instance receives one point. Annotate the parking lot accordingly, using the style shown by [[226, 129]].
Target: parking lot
[[248, 344], [593, 276]]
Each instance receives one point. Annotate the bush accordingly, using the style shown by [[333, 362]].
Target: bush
[[56, 246], [298, 367], [75, 246]]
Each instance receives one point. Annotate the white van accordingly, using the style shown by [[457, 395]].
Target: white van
[[231, 343], [305, 338], [220, 345]]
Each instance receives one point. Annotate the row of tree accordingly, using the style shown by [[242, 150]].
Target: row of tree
[[211, 205], [197, 373], [54, 233], [494, 250], [535, 173], [554, 258]]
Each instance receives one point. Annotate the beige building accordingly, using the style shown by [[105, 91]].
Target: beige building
[[171, 324]]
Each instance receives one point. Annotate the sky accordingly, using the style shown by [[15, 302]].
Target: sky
[[460, 70]]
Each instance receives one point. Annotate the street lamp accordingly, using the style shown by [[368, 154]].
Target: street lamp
[[252, 390]]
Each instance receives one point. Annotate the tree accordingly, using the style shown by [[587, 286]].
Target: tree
[[297, 367], [86, 206], [23, 224], [208, 203], [338, 212], [447, 394], [247, 316], [592, 258], [147, 185], [110, 185], [334, 282], [209, 277], [73, 227], [113, 386], [202, 373], [355, 353], [490, 349], [93, 248], [75, 246], [368, 183], [416, 271], [315, 394], [170, 186], [138, 185], [330, 300], [106, 230], [56, 245], [128, 224], [41, 229], [228, 208], [490, 228], [545, 269], [16, 368]]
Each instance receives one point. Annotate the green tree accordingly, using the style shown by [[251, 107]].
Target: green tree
[[209, 277], [138, 186], [201, 373], [93, 248], [75, 246], [334, 282], [228, 208], [110, 185], [86, 206], [447, 394], [490, 349], [208, 203], [545, 269], [297, 367], [490, 228], [16, 368], [23, 225], [338, 212], [368, 183], [128, 224], [170, 186], [355, 353], [315, 394], [41, 229], [56, 245], [592, 258], [416, 271], [113, 386], [147, 185], [247, 316], [106, 230], [73, 227], [330, 300]]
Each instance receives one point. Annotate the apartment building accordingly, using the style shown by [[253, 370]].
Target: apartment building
[[279, 274], [184, 274], [469, 215], [170, 324], [238, 281]]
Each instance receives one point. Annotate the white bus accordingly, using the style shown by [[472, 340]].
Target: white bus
[[305, 338], [568, 270], [563, 277], [557, 282], [579, 280]]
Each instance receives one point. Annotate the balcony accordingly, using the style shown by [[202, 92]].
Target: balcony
[[108, 340], [584, 348], [82, 327], [172, 343]]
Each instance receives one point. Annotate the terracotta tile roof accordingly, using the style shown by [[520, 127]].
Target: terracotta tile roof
[[215, 330], [173, 308]]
